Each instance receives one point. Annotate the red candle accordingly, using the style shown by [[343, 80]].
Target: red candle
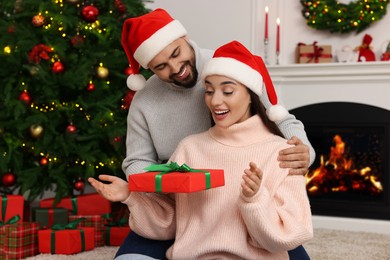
[[266, 24], [278, 34]]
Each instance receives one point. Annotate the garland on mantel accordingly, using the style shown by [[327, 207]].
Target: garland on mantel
[[343, 18]]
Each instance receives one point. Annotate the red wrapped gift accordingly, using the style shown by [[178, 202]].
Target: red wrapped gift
[[66, 240], [114, 236], [19, 240], [313, 53], [47, 217], [94, 221], [11, 206], [87, 204], [176, 179]]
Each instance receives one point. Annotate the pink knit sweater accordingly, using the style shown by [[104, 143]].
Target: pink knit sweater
[[221, 223]]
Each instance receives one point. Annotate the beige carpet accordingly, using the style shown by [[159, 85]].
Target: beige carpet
[[326, 245]]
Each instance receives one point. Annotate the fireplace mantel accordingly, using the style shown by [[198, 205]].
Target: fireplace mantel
[[304, 84]]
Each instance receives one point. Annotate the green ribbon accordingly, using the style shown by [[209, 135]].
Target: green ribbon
[[174, 167], [70, 225], [14, 219], [74, 206]]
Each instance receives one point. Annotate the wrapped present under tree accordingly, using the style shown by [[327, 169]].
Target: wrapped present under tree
[[47, 217], [94, 221], [66, 239], [11, 206], [87, 204], [18, 240]]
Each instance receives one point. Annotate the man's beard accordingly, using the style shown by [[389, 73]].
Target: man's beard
[[191, 80]]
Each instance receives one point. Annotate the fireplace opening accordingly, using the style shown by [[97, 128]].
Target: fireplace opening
[[350, 176]]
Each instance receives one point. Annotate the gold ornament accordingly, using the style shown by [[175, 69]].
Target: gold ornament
[[34, 70], [36, 131], [102, 72]]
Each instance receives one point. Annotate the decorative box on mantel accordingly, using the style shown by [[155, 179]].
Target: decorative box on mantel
[[302, 89]]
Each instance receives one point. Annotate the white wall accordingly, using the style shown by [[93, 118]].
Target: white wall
[[212, 23]]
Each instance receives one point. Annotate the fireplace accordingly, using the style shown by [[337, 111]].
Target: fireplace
[[351, 174]]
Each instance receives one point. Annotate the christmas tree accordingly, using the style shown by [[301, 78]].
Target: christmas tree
[[63, 95]]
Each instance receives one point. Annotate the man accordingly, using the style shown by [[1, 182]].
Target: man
[[170, 106]]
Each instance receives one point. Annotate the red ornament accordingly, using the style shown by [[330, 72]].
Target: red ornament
[[117, 139], [126, 101], [129, 71], [8, 179], [90, 13], [77, 41], [91, 87], [38, 20], [120, 6], [44, 161], [79, 185], [58, 67], [11, 29], [25, 97], [71, 129]]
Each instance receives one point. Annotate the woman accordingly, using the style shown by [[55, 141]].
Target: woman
[[261, 212]]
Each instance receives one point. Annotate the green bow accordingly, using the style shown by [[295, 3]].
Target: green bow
[[174, 167], [12, 220], [70, 225]]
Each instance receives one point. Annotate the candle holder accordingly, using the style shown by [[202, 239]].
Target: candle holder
[[277, 57], [266, 51]]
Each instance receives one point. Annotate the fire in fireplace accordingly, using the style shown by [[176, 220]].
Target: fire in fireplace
[[350, 176]]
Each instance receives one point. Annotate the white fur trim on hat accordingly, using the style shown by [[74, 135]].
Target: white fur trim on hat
[[276, 113], [236, 70], [158, 41], [135, 82]]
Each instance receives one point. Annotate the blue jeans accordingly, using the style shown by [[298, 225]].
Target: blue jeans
[[137, 247]]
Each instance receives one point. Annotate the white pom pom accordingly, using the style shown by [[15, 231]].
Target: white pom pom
[[135, 82], [276, 113]]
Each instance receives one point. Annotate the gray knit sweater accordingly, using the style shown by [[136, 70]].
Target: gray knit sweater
[[162, 114]]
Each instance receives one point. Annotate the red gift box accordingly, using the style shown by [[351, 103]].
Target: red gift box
[[67, 241], [114, 236], [13, 206], [94, 221], [175, 179], [19, 240], [87, 204]]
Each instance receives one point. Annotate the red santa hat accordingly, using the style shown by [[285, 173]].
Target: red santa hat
[[146, 36], [235, 61]]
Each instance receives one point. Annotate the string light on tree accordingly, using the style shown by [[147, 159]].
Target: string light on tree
[[343, 18]]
